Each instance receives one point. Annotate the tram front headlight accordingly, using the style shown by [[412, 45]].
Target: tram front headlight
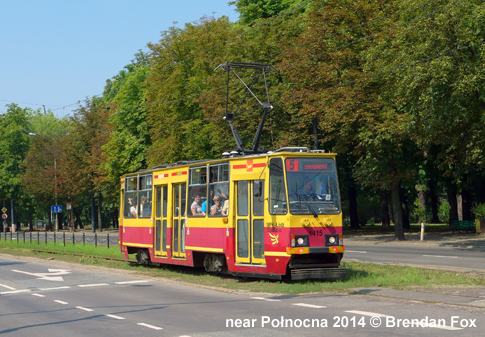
[[331, 240], [301, 241]]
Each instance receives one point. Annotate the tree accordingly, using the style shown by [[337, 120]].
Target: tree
[[14, 144], [42, 178], [433, 70]]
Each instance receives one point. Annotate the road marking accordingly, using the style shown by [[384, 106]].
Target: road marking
[[10, 288], [15, 292], [309, 305], [60, 302], [93, 285], [52, 275], [85, 309], [356, 251], [150, 326], [265, 299], [448, 257], [56, 288], [131, 282], [374, 314], [38, 295], [114, 316], [366, 313]]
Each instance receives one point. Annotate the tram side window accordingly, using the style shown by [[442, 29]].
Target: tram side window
[[138, 197], [131, 197], [145, 196], [277, 187], [219, 190], [197, 191]]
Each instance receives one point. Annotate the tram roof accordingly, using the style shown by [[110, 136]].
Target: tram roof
[[230, 155]]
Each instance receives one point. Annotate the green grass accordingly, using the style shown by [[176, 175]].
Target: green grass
[[359, 275]]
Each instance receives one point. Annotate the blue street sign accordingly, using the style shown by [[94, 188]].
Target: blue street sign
[[56, 209]]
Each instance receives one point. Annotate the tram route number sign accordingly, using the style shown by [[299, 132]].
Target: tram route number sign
[[56, 209]]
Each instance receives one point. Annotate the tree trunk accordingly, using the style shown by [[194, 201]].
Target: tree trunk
[[422, 203], [100, 218], [405, 210], [354, 216], [466, 204], [386, 223], [451, 192], [93, 219], [397, 210], [434, 201]]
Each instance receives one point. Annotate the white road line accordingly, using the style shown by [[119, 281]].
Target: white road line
[[9, 288], [93, 285], [60, 302], [114, 316], [265, 299], [309, 305], [356, 251], [38, 295], [444, 327], [85, 309], [15, 292], [366, 313], [132, 282], [448, 257], [374, 314], [150, 326], [56, 288]]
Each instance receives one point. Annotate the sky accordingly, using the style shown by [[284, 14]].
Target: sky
[[55, 53]]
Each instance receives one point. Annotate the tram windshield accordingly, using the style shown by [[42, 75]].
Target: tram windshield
[[312, 186]]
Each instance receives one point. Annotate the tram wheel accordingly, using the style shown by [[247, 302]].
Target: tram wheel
[[214, 263], [142, 257]]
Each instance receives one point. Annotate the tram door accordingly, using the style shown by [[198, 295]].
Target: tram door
[[178, 220], [250, 221], [161, 201]]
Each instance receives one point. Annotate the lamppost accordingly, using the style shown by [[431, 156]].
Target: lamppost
[[55, 173]]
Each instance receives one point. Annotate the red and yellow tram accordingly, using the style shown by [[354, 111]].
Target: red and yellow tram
[[265, 215]]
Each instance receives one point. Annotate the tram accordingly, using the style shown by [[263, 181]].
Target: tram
[[266, 214]]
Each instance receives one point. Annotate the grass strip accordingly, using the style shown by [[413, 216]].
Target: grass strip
[[359, 275]]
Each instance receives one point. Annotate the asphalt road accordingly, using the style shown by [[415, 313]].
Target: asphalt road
[[57, 299], [468, 258]]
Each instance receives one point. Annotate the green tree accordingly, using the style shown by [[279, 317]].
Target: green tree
[[433, 69], [14, 144]]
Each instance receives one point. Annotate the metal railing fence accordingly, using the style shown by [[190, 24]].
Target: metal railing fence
[[44, 237]]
